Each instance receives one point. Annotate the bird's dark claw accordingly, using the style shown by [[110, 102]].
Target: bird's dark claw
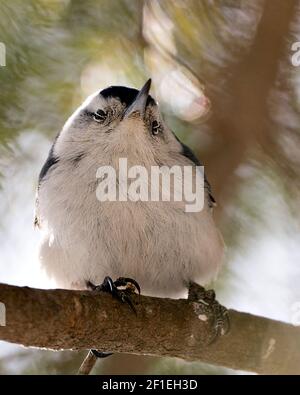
[[100, 354], [129, 283], [128, 287], [207, 305]]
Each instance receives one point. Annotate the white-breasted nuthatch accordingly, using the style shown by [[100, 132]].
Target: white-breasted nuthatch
[[157, 244]]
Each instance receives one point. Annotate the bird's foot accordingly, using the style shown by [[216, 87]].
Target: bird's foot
[[100, 354], [208, 306], [120, 289]]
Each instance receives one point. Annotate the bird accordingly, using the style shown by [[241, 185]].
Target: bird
[[155, 246]]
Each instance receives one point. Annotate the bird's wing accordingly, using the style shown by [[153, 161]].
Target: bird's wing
[[188, 153], [50, 161]]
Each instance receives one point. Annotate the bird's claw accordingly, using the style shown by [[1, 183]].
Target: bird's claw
[[209, 306], [221, 323], [128, 285], [100, 354]]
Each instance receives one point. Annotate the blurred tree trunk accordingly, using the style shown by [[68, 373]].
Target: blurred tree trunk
[[240, 119]]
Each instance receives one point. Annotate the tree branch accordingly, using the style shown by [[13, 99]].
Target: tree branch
[[61, 319]]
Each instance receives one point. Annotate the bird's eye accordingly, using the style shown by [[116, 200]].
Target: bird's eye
[[156, 128], [99, 116]]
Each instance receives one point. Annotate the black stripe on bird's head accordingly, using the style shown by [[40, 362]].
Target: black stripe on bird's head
[[133, 99]]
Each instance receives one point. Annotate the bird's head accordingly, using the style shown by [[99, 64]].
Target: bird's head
[[118, 122]]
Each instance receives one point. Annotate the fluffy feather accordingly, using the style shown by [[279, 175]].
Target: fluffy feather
[[157, 243]]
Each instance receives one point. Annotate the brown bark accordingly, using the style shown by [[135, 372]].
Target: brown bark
[[61, 319]]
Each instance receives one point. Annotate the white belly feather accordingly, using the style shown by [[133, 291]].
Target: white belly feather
[[156, 243]]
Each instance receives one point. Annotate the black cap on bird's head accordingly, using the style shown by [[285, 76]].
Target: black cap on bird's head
[[136, 101]]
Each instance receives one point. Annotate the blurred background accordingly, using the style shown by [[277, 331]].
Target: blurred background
[[238, 54]]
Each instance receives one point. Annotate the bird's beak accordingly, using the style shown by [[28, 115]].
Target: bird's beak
[[140, 102]]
